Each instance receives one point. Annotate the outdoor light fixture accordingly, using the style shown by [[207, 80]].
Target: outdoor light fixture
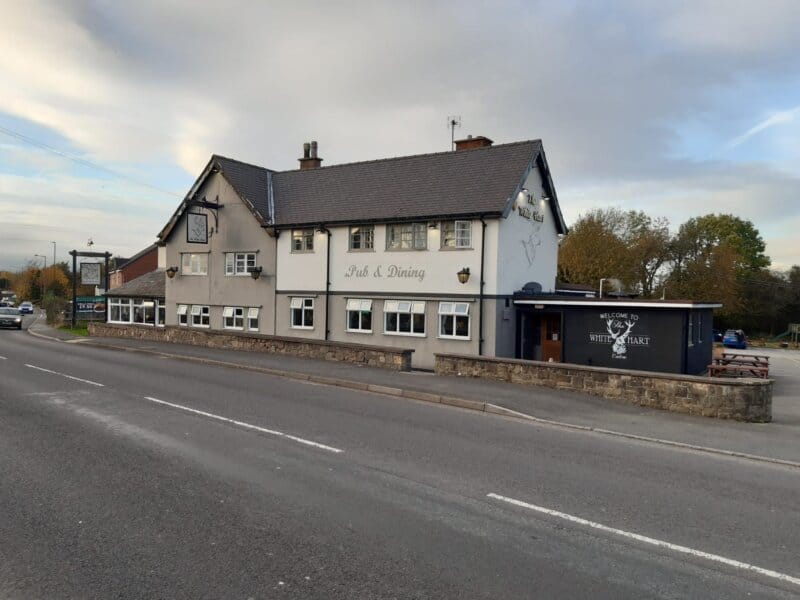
[[463, 275], [172, 271], [255, 272], [433, 225]]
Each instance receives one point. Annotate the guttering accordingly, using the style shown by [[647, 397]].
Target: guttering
[[618, 303], [387, 220], [480, 293]]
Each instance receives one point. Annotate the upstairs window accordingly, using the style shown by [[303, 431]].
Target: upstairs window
[[407, 236], [194, 264], [362, 237], [403, 317], [302, 240], [456, 234], [359, 315], [302, 310], [454, 320], [239, 263]]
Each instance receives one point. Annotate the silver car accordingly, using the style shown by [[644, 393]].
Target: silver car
[[10, 317]]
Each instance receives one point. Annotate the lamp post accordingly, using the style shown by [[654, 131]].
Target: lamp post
[[45, 268], [54, 253]]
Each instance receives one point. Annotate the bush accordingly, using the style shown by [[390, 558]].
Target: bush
[[54, 306]]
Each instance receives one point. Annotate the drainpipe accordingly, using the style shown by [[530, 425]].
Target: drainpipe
[[327, 281], [480, 298], [275, 286]]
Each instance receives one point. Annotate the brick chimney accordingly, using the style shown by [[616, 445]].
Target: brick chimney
[[469, 143], [310, 159]]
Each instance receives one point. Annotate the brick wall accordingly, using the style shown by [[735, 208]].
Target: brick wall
[[739, 399], [396, 359]]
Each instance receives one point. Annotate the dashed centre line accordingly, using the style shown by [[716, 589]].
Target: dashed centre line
[[2, 358], [65, 375], [648, 540], [274, 432]]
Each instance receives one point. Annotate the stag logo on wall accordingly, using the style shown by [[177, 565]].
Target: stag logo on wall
[[619, 328]]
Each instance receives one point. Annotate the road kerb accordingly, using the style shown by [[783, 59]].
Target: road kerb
[[422, 396], [384, 389], [464, 403]]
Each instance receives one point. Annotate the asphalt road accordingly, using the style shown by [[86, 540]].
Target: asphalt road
[[321, 492]]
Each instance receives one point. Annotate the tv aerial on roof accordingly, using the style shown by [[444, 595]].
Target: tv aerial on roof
[[453, 121]]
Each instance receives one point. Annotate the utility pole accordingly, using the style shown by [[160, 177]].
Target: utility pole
[[54, 253], [42, 275]]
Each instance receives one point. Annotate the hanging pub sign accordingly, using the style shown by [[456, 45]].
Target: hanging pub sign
[[197, 228], [90, 273]]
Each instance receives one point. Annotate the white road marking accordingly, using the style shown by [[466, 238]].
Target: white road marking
[[2, 358], [247, 425], [65, 375], [647, 540]]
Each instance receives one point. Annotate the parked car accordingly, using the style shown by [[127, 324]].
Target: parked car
[[717, 334], [10, 317], [734, 338], [26, 308]]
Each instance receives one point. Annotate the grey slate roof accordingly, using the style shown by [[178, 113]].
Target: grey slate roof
[[466, 182], [250, 182], [149, 285]]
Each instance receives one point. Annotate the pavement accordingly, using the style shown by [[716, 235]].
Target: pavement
[[772, 441], [138, 475]]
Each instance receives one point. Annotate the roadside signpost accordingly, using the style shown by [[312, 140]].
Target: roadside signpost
[[90, 275]]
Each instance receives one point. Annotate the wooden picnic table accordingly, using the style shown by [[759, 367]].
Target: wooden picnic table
[[738, 370], [739, 356]]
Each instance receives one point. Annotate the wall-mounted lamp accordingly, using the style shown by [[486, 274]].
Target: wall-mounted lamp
[[433, 225], [322, 229], [171, 272], [255, 272], [463, 275]]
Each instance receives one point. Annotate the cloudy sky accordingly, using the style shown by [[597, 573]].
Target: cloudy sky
[[109, 110]]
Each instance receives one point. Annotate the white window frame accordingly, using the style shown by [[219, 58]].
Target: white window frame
[[119, 303], [366, 235], [400, 307], [183, 315], [451, 311], [239, 264], [306, 239], [233, 317], [199, 314], [360, 306], [407, 236], [456, 234], [304, 305], [252, 319], [161, 314], [194, 263]]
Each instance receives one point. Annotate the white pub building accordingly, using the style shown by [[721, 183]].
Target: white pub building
[[422, 252]]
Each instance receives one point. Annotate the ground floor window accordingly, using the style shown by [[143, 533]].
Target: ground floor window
[[201, 316], [359, 315], [119, 310], [144, 312], [162, 314], [252, 319], [233, 317], [302, 310], [403, 317], [454, 320], [183, 314]]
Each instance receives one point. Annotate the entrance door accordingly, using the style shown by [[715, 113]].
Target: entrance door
[[551, 338]]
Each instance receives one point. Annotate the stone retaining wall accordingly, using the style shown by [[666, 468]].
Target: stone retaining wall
[[396, 359], [739, 399]]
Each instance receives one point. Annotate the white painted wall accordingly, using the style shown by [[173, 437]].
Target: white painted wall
[[431, 271], [527, 250]]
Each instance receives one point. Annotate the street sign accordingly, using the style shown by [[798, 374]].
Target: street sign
[[794, 327], [90, 273]]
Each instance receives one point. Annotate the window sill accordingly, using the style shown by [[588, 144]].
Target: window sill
[[237, 274], [404, 334], [368, 331], [406, 250], [456, 248], [233, 328], [300, 327], [361, 250], [194, 274], [201, 326], [301, 252], [460, 338]]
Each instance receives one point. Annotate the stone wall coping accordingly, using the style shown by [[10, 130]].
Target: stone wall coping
[[279, 338], [623, 372]]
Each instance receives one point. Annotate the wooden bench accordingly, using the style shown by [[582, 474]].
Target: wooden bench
[[729, 370]]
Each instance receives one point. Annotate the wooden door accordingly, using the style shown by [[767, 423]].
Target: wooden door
[[551, 338]]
